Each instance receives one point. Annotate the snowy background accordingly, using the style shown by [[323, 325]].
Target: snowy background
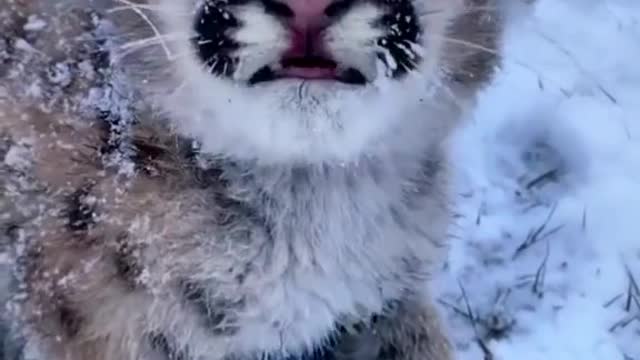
[[546, 258]]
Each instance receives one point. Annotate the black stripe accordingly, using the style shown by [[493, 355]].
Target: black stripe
[[80, 213], [69, 319], [215, 313], [330, 347], [126, 262], [161, 343]]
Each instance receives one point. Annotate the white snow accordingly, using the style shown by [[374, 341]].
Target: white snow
[[566, 103], [34, 23]]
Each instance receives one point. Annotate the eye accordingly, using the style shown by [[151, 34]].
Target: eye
[[277, 8], [338, 8]]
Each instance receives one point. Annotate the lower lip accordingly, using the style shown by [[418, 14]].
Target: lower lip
[[308, 73]]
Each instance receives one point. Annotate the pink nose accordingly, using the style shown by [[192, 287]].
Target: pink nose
[[308, 15], [307, 23]]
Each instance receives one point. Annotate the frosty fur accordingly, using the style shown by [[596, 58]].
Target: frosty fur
[[111, 265], [341, 123], [237, 248]]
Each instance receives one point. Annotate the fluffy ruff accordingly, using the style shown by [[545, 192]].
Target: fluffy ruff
[[204, 261]]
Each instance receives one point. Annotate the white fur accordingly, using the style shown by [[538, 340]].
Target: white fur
[[264, 40], [294, 120]]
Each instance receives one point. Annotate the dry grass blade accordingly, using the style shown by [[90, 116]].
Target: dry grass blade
[[613, 300], [579, 66], [524, 65], [538, 284], [633, 291], [536, 235], [479, 214], [457, 310], [488, 355], [621, 324], [468, 310], [550, 175]]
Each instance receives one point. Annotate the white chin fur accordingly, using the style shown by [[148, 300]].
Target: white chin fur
[[292, 120]]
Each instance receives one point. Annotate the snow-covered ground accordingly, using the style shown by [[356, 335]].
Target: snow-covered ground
[[548, 242]]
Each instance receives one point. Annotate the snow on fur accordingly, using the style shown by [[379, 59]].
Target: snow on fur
[[548, 242]]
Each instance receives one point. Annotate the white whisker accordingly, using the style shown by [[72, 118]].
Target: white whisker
[[434, 12], [488, 50], [154, 40], [128, 6], [136, 8]]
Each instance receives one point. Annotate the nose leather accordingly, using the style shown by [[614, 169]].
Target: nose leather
[[308, 14], [308, 22]]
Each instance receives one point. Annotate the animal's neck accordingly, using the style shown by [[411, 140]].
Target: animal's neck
[[390, 191], [318, 181], [385, 168], [326, 200]]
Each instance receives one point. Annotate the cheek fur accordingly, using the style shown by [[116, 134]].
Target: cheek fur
[[278, 123], [352, 39], [263, 40], [235, 39]]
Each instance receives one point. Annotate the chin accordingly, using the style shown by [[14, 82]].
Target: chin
[[291, 119], [293, 81]]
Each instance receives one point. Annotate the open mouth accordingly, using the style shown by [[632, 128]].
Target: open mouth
[[308, 68]]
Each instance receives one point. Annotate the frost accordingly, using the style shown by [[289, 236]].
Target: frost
[[60, 74], [34, 23], [24, 45], [18, 157]]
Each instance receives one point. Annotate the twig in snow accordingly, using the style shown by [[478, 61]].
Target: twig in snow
[[579, 66], [621, 324], [501, 297], [584, 219], [457, 310], [469, 312], [538, 284], [530, 207], [547, 176], [534, 236], [488, 355], [613, 300], [524, 280], [633, 292]]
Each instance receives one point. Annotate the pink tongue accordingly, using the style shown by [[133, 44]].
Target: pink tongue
[[309, 73]]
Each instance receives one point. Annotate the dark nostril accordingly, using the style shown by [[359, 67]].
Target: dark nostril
[[277, 8], [338, 8]]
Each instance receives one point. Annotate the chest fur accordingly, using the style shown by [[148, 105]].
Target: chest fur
[[329, 246], [256, 261]]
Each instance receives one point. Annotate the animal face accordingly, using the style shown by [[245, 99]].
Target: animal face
[[301, 80], [335, 41]]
